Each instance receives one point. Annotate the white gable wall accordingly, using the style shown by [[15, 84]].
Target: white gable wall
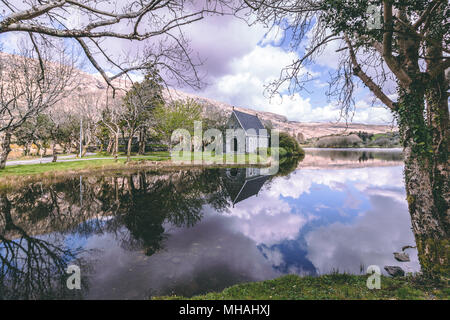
[[252, 141]]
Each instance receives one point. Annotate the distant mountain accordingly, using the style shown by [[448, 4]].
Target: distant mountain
[[94, 85], [214, 108], [300, 130]]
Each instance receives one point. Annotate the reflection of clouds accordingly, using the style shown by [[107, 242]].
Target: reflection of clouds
[[301, 181], [209, 256], [351, 201], [274, 256], [261, 236], [269, 219], [394, 194], [320, 206], [371, 239], [266, 219]]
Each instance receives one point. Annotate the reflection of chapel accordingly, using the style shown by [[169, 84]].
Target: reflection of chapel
[[243, 183], [250, 125]]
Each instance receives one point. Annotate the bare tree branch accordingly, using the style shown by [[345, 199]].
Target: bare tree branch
[[366, 79], [134, 21]]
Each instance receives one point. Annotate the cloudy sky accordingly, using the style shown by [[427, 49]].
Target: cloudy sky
[[240, 59]]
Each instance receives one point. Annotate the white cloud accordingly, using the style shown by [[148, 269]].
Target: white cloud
[[301, 181], [266, 219], [243, 85], [370, 240], [221, 39]]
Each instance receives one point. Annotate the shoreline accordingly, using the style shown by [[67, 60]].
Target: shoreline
[[340, 286], [152, 162], [54, 170], [371, 149]]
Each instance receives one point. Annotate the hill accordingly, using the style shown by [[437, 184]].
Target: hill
[[95, 87], [300, 130]]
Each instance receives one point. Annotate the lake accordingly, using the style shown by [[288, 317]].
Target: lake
[[139, 234]]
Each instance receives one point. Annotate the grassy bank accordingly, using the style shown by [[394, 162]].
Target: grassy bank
[[16, 174], [31, 169], [333, 286]]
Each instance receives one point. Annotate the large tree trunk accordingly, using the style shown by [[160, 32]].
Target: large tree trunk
[[116, 146], [429, 209], [85, 148], [425, 140], [110, 145], [130, 141], [424, 131], [5, 144], [26, 150], [142, 135], [55, 155]]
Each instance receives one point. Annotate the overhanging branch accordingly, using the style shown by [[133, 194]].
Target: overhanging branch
[[376, 90]]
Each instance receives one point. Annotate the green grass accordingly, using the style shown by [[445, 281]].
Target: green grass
[[210, 157], [108, 162], [33, 169], [380, 135], [333, 286], [30, 169]]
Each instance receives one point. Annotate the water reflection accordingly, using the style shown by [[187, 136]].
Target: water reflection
[[352, 158], [190, 232], [242, 184], [32, 267], [360, 155]]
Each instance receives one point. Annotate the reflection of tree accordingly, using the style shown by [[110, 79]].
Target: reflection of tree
[[142, 202], [288, 165], [365, 156], [136, 208], [356, 155], [177, 200], [31, 267]]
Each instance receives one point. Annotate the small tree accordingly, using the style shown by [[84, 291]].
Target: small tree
[[88, 113], [60, 129], [139, 102], [178, 114], [111, 117], [25, 136], [29, 84]]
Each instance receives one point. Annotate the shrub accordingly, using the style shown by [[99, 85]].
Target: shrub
[[386, 140], [351, 140], [290, 145], [382, 142], [281, 151]]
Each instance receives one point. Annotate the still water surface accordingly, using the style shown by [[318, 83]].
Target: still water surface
[[141, 234]]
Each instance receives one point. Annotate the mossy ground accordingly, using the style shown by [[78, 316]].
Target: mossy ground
[[30, 169], [328, 287], [90, 163]]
